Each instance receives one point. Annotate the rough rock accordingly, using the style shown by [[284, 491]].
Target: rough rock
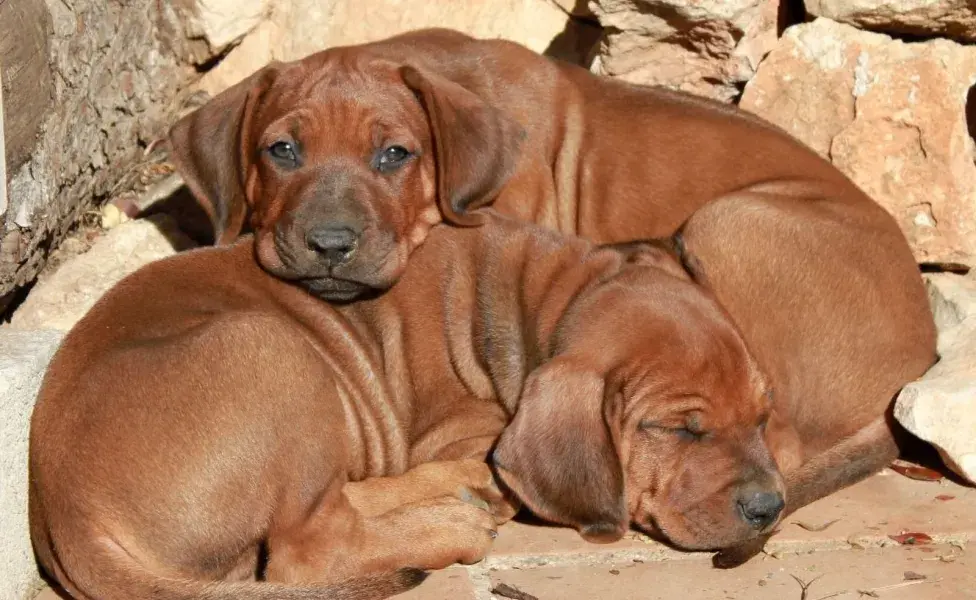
[[24, 356], [61, 299], [706, 47], [26, 76], [947, 18], [576, 8], [3, 157], [219, 23], [940, 408], [296, 29], [114, 81], [889, 114]]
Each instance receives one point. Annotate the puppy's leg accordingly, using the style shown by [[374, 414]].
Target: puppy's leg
[[469, 480], [853, 459], [336, 541]]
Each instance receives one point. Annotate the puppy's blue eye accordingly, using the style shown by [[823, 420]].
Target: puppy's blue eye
[[284, 153], [391, 158]]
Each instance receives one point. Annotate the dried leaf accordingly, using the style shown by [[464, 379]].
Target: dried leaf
[[945, 497], [507, 591], [912, 539], [913, 576], [869, 593], [810, 527], [858, 541], [614, 571], [915, 471]]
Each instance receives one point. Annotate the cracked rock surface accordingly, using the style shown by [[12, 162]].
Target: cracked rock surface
[[949, 18], [705, 47], [891, 115]]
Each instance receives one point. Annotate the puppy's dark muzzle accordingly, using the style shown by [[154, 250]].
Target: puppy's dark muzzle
[[760, 509], [334, 244]]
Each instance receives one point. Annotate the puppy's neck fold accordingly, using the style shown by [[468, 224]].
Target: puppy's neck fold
[[525, 280]]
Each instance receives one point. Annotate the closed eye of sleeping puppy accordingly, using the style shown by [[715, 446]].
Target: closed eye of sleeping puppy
[[208, 424]]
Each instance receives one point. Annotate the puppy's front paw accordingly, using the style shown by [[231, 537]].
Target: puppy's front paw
[[475, 483], [445, 531], [489, 496]]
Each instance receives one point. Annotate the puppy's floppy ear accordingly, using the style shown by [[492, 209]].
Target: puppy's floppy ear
[[211, 148], [476, 146], [558, 455]]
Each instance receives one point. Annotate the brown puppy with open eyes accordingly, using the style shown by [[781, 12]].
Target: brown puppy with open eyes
[[338, 168], [207, 424], [818, 276]]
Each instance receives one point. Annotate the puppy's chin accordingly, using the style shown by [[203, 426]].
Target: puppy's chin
[[685, 536], [338, 291]]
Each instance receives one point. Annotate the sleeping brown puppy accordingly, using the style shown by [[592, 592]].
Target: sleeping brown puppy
[[819, 276], [207, 423]]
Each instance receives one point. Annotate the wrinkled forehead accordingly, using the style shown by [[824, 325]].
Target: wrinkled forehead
[[716, 397], [340, 91], [693, 356]]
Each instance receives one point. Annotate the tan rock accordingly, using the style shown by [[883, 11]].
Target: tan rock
[[706, 47], [24, 356], [948, 18], [940, 408], [890, 115], [254, 51], [296, 29], [577, 8], [219, 23]]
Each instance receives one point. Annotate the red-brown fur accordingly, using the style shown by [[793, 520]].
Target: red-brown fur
[[817, 275], [205, 413]]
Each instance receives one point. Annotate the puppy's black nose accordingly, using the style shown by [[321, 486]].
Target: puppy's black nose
[[760, 509], [336, 243]]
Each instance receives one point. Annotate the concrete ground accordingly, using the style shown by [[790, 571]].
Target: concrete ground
[[838, 548]]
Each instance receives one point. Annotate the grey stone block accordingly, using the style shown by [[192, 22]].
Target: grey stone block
[[940, 408], [24, 356]]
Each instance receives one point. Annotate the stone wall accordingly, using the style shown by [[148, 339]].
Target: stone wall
[[87, 86], [3, 158], [291, 30]]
